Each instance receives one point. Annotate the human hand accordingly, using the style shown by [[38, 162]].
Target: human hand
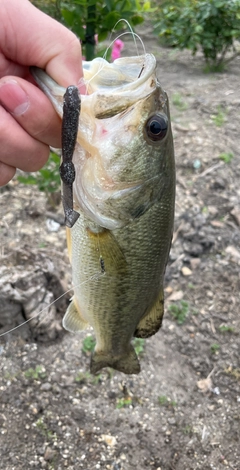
[[28, 122]]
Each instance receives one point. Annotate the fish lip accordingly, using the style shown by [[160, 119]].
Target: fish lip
[[125, 91], [51, 88]]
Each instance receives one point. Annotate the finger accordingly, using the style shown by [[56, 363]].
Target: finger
[[31, 155], [29, 37], [31, 109], [6, 173]]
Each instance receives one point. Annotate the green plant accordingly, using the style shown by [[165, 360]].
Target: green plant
[[123, 402], [220, 117], [179, 311], [187, 429], [82, 377], [37, 373], [139, 344], [165, 401], [191, 285], [226, 157], [88, 344], [215, 348], [212, 26], [226, 329], [178, 101], [42, 427], [47, 179], [86, 18]]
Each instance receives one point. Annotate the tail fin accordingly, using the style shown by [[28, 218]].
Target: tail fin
[[127, 363]]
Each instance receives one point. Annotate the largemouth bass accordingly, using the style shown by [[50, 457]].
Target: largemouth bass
[[124, 191]]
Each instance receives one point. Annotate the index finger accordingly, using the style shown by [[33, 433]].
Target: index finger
[[30, 37]]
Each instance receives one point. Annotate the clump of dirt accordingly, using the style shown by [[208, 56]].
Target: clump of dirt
[[182, 411]]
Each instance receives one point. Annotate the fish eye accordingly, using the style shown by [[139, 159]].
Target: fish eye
[[156, 127]]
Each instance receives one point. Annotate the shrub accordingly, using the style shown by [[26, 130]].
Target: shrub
[[86, 18], [209, 25]]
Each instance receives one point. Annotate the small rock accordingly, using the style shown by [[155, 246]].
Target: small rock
[[194, 263], [233, 252], [45, 387], [109, 440], [52, 225], [217, 223], [213, 210], [186, 271], [236, 215], [194, 249], [205, 384], [178, 295], [171, 421], [49, 454], [78, 414]]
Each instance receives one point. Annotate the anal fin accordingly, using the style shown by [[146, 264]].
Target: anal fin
[[152, 321], [127, 363], [73, 320]]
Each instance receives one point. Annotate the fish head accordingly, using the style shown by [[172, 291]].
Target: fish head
[[124, 153]]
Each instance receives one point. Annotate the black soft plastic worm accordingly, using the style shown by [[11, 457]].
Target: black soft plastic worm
[[71, 111]]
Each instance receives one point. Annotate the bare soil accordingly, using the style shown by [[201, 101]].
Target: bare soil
[[182, 411]]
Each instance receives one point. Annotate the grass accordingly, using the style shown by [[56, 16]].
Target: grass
[[187, 429], [226, 329], [88, 345], [214, 348], [163, 400], [35, 374], [84, 377], [226, 157], [123, 402], [139, 345], [42, 427], [179, 311], [220, 117], [179, 102]]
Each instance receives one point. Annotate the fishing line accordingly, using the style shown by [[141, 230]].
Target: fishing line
[[134, 35], [91, 278], [124, 34]]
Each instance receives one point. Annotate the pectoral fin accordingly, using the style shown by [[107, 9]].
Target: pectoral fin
[[111, 258], [73, 320], [150, 323]]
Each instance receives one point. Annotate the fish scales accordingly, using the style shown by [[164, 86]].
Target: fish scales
[[124, 192]]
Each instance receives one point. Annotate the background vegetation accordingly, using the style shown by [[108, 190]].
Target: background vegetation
[[212, 26], [88, 18]]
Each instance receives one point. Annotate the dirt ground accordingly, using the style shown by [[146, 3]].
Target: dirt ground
[[182, 411]]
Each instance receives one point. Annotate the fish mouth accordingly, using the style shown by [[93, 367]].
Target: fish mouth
[[111, 87], [123, 75]]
